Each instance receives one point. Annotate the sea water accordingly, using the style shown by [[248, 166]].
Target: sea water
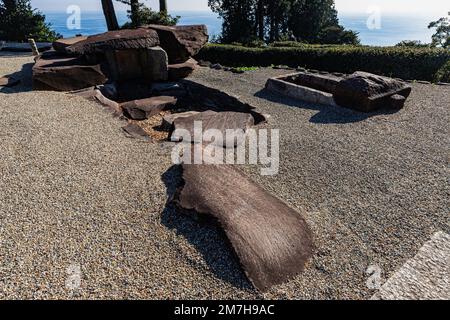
[[391, 30]]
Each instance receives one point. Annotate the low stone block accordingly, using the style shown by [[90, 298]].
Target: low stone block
[[146, 108]]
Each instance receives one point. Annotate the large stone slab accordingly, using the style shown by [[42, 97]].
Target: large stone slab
[[146, 108], [56, 72], [131, 64], [211, 120], [272, 241], [367, 92], [61, 45], [181, 42], [116, 40]]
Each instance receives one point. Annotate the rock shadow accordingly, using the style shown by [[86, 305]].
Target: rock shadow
[[25, 75], [326, 114], [207, 237]]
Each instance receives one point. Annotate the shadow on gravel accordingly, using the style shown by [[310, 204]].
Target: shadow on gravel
[[209, 240], [25, 77], [326, 114]]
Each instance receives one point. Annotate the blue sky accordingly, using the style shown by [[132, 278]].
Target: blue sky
[[344, 6]]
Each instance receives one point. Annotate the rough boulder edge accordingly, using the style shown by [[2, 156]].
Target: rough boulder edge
[[272, 241], [60, 73], [367, 92], [61, 45], [181, 42], [116, 40]]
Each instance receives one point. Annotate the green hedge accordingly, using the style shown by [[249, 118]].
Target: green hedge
[[443, 75], [405, 63]]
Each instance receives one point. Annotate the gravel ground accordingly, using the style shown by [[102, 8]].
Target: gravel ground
[[78, 197]]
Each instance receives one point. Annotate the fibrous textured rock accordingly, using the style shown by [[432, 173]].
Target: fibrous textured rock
[[367, 92], [116, 40], [272, 241]]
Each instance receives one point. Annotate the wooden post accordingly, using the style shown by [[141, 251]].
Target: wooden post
[[34, 47]]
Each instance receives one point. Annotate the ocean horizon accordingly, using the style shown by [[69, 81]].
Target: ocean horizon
[[394, 28]]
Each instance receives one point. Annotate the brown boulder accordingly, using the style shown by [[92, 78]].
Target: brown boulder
[[60, 45], [272, 241], [212, 120], [368, 92], [181, 42], [181, 70], [146, 108], [116, 40], [55, 72], [131, 64]]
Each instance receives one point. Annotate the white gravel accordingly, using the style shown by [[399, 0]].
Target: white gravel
[[76, 193]]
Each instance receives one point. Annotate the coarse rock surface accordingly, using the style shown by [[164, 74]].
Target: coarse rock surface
[[116, 40], [55, 72], [273, 241], [146, 108], [181, 42], [60, 45], [369, 92], [211, 120], [130, 64], [76, 194]]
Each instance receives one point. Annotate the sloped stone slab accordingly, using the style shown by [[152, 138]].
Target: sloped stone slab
[[116, 40], [136, 132], [181, 42], [211, 120], [60, 73], [272, 241], [169, 119], [367, 92], [61, 45], [146, 108]]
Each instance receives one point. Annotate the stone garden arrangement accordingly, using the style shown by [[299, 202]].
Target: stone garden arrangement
[[139, 75]]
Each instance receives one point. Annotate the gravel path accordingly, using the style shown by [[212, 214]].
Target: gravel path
[[78, 197]]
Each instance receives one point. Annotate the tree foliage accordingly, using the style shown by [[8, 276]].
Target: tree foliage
[[312, 21], [442, 36], [139, 14], [19, 22]]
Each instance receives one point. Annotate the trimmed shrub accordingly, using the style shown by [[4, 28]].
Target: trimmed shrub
[[443, 75], [400, 62]]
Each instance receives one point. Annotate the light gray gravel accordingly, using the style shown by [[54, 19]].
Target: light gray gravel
[[75, 192]]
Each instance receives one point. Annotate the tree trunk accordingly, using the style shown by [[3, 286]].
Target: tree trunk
[[163, 6], [110, 15], [260, 19], [135, 12]]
